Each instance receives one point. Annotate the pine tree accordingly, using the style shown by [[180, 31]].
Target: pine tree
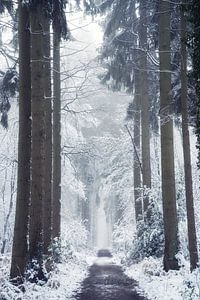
[[167, 145], [47, 203], [56, 136], [60, 30], [137, 165], [186, 150], [38, 139], [193, 8], [128, 61], [145, 116], [40, 111], [20, 243]]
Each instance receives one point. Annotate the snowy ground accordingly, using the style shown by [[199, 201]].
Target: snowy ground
[[157, 284], [65, 281]]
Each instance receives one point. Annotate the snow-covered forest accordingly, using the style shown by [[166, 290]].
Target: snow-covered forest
[[99, 149]]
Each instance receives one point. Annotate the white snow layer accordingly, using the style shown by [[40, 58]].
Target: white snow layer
[[160, 285], [64, 282]]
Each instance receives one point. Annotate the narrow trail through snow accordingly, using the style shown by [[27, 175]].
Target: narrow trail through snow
[[107, 281]]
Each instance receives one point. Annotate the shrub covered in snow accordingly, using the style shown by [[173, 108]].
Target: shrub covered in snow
[[74, 237], [173, 285], [150, 236]]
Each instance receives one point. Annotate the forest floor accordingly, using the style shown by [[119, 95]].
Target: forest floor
[[107, 281], [83, 276]]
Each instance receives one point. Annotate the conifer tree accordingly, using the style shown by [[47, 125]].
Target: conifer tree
[[38, 139], [186, 149], [137, 165], [126, 46], [56, 230], [60, 30], [20, 243], [193, 8], [47, 203], [145, 115], [167, 144]]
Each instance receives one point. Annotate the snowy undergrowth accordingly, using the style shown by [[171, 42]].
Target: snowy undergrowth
[[172, 285], [63, 283], [65, 279]]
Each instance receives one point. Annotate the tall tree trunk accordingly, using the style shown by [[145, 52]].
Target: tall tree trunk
[[167, 144], [186, 151], [38, 137], [145, 119], [47, 204], [20, 245], [56, 136], [137, 166]]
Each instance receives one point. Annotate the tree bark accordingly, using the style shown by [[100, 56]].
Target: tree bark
[[137, 167], [47, 204], [38, 137], [56, 136], [167, 143], [145, 119], [186, 151], [20, 245]]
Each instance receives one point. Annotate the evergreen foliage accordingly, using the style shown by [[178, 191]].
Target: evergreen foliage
[[8, 89], [6, 5], [9, 81], [120, 52], [118, 49], [150, 237]]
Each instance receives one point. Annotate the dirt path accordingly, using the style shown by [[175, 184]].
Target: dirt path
[[106, 281]]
